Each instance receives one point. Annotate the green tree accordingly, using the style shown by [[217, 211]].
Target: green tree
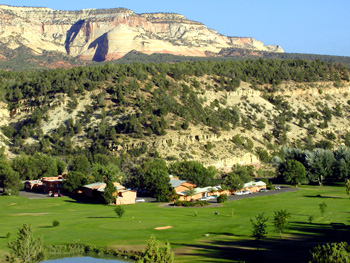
[[9, 179], [293, 172], [244, 172], [81, 164], [156, 253], [323, 207], [233, 182], [259, 227], [194, 172], [119, 210], [37, 166], [155, 178], [102, 172], [26, 248], [331, 253], [319, 163], [280, 220], [263, 154], [74, 181], [347, 185], [109, 192]]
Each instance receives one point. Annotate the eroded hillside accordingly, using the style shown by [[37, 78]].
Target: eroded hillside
[[219, 113]]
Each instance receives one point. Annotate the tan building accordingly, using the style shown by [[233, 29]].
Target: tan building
[[201, 192], [123, 195], [254, 186]]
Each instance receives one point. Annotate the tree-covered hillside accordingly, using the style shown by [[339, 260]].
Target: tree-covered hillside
[[215, 113], [113, 102]]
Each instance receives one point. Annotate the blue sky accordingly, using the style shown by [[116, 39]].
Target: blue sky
[[299, 26]]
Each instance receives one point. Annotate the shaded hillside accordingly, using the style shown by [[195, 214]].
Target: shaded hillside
[[220, 113], [22, 59]]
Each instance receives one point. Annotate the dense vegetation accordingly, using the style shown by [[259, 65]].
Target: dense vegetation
[[316, 166], [143, 101]]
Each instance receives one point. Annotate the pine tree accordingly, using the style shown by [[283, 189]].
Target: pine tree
[[26, 248], [155, 253]]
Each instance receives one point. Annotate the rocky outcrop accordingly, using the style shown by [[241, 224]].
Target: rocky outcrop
[[108, 34]]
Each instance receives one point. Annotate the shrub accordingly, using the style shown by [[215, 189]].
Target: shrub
[[222, 198], [311, 218], [191, 204], [119, 210], [55, 223], [268, 183], [209, 146], [331, 252]]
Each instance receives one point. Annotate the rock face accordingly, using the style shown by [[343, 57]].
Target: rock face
[[108, 34]]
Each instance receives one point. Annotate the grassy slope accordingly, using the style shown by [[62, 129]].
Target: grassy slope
[[229, 236]]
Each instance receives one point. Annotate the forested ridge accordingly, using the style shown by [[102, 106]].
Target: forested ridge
[[23, 58], [125, 114]]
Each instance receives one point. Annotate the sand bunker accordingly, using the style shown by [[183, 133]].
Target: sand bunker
[[163, 227]]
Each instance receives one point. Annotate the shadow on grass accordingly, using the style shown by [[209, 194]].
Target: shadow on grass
[[82, 201], [222, 233], [291, 248], [46, 226], [101, 217], [323, 196]]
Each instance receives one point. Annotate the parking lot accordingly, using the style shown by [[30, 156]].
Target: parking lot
[[33, 195], [268, 192]]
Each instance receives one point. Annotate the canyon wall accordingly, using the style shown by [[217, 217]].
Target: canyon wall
[[108, 34]]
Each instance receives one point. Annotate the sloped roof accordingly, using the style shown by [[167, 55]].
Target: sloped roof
[[101, 186], [176, 182], [252, 184], [203, 190], [181, 188], [93, 185]]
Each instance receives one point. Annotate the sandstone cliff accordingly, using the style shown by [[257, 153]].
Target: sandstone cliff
[[108, 34]]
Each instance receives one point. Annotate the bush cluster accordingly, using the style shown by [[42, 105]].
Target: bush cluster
[[191, 204]]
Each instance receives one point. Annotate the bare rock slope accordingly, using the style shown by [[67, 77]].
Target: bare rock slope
[[108, 34]]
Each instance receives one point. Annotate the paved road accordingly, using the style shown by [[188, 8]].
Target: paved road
[[268, 192]]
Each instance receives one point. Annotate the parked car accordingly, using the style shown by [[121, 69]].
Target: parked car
[[212, 197], [238, 193], [140, 200], [203, 199], [247, 192], [277, 187], [262, 190]]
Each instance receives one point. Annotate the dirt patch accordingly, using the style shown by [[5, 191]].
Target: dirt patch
[[30, 214], [163, 227], [13, 204]]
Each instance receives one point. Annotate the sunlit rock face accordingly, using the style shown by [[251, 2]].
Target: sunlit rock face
[[108, 34]]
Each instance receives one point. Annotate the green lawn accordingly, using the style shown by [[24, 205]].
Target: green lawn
[[229, 237]]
